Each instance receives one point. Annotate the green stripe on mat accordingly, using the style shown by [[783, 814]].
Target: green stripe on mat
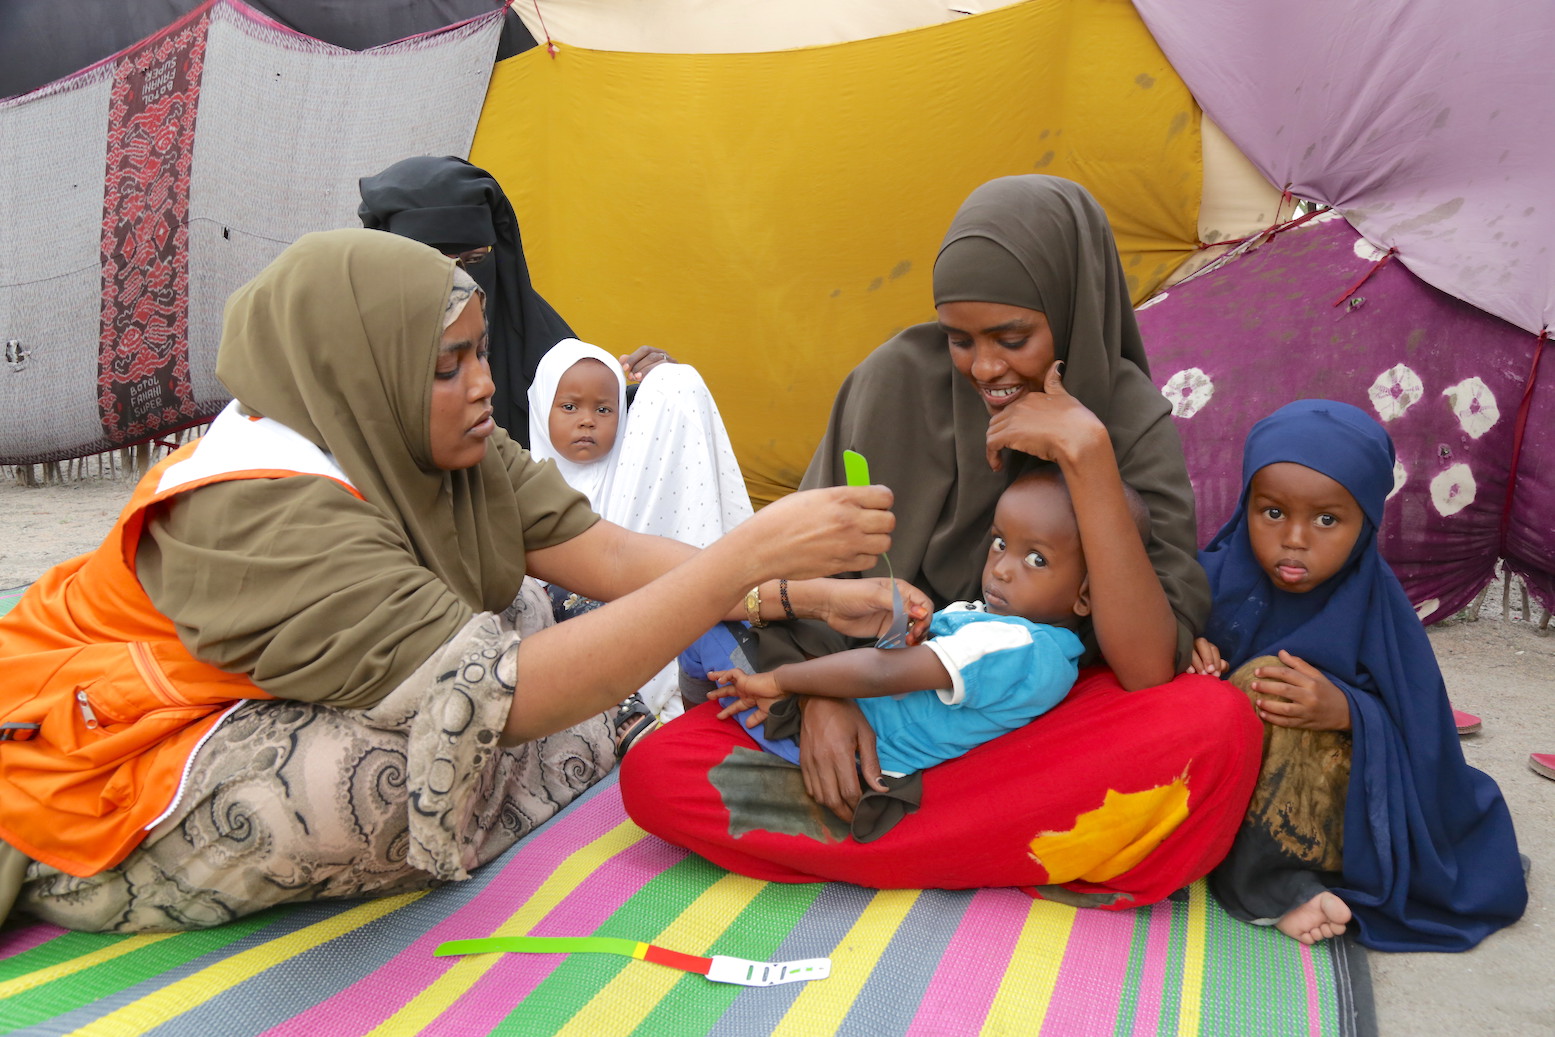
[[79, 989], [1134, 974], [61, 949], [575, 982], [9, 598], [694, 1005], [1325, 963], [1254, 980], [1176, 961]]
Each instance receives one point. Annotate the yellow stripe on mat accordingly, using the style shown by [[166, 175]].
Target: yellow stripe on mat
[[177, 998], [1027, 987], [623, 1003], [419, 1012], [822, 1006], [12, 987], [1189, 1016]]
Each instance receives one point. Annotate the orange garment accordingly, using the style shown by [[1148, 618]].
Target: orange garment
[[122, 705]]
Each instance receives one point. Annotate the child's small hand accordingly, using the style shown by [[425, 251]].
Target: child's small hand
[[753, 690], [1206, 659], [1307, 699]]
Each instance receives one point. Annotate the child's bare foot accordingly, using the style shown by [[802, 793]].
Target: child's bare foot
[[1321, 918]]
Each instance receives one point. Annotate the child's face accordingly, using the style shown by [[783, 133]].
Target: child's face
[[583, 418], [1035, 568], [1302, 525]]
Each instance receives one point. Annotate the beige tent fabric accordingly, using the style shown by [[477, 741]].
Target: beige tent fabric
[[1237, 201], [731, 26]]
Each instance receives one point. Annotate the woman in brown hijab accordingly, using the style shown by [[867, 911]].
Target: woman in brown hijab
[[289, 671], [1035, 358]]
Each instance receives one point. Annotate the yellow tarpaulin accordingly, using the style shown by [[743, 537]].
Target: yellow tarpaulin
[[773, 217]]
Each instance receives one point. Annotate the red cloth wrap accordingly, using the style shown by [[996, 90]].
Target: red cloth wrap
[[981, 811]]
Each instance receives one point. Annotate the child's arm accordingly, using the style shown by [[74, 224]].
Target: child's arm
[[1206, 659], [856, 674], [1315, 703]]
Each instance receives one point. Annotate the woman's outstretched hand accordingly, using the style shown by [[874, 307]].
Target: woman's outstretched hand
[[820, 532], [863, 608], [1051, 424], [836, 743], [1306, 698]]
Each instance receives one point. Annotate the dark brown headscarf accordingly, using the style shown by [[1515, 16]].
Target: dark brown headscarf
[[1039, 242]]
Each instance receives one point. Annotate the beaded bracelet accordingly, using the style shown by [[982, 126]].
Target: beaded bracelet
[[788, 610]]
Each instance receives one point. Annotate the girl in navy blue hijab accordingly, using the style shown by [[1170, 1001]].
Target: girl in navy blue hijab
[[1365, 808]]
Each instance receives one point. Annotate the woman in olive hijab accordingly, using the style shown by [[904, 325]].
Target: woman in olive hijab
[[317, 615], [1035, 358]]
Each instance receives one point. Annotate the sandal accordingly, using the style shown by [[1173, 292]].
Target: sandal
[[1467, 723], [633, 719], [1542, 763]]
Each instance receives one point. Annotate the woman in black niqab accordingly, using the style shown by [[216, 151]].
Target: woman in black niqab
[[454, 206]]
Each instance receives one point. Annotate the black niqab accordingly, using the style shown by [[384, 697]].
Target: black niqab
[[452, 205]]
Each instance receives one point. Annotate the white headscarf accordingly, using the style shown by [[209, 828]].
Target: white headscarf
[[676, 474], [671, 471], [592, 478]]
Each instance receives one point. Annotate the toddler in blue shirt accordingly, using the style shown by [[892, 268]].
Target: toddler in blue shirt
[[987, 667]]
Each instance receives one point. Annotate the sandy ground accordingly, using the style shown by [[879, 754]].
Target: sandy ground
[[1497, 667]]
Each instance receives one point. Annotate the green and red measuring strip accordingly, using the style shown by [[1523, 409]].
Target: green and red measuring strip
[[720, 968]]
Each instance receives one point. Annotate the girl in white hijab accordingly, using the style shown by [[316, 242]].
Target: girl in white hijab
[[667, 469]]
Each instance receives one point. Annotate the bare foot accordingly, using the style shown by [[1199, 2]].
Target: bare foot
[[1321, 918]]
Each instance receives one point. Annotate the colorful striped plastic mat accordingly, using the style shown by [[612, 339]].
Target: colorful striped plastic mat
[[902, 961], [912, 962]]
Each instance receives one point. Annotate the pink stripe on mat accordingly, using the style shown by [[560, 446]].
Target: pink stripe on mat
[[387, 989], [596, 898], [1152, 980], [1090, 978], [1314, 1014], [973, 964], [28, 937]]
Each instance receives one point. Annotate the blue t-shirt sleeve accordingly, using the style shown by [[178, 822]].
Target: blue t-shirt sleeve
[[996, 663], [991, 653]]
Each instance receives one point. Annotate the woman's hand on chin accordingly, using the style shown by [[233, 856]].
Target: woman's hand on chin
[[1051, 425], [816, 533], [864, 608]]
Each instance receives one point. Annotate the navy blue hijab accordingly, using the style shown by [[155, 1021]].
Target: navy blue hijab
[[1430, 858]]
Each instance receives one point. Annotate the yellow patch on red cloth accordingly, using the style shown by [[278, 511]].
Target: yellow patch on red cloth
[[1114, 837]]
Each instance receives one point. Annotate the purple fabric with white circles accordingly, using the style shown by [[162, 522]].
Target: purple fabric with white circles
[[1445, 379]]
